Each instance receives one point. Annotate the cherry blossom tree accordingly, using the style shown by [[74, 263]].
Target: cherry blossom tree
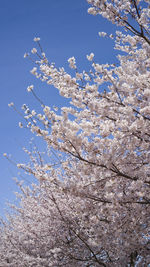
[[90, 205]]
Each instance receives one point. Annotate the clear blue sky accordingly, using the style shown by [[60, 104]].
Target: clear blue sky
[[66, 30]]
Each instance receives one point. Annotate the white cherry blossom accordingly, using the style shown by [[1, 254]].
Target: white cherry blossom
[[90, 203]]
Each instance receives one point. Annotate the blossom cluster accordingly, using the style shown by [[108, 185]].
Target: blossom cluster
[[90, 205]]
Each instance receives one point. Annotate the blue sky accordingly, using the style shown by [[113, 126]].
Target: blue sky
[[66, 30]]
